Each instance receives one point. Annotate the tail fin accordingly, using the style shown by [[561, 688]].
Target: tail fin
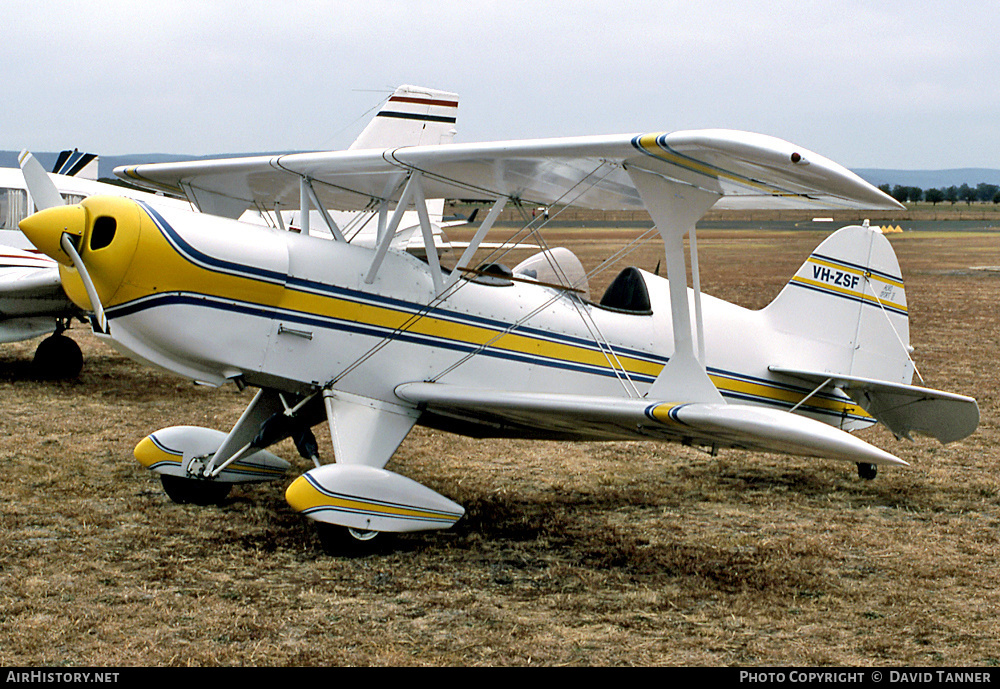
[[847, 307], [76, 164], [413, 116]]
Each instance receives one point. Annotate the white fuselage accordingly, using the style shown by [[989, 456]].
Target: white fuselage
[[293, 312]]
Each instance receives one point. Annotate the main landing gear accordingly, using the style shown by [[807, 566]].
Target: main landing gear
[[867, 471], [57, 357], [343, 540]]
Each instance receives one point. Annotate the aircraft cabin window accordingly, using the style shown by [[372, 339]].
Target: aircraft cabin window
[[13, 208], [103, 232]]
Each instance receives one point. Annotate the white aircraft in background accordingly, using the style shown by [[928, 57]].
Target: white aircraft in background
[[411, 116], [375, 340], [32, 301]]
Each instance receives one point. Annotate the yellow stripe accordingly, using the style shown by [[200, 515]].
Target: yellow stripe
[[789, 397], [661, 412], [651, 146], [303, 496], [848, 292], [158, 261], [159, 268], [149, 454]]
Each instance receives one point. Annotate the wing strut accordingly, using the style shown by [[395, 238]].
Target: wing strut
[[470, 251], [675, 208], [307, 198], [412, 192]]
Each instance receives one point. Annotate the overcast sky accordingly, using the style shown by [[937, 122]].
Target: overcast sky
[[889, 84]]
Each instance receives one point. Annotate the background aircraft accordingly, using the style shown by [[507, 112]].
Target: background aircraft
[[32, 301], [376, 340]]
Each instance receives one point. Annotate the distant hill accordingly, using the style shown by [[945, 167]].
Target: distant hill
[[930, 179], [925, 179]]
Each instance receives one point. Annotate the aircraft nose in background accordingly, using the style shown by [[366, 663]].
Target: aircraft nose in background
[[46, 228]]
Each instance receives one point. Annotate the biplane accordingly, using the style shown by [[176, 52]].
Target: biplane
[[375, 340]]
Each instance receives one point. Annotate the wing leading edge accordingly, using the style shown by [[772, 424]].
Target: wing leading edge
[[611, 418]]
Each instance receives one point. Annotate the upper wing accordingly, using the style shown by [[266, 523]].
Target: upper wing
[[748, 170], [603, 418]]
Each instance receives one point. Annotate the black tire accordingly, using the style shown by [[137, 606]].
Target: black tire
[[185, 491], [867, 471], [341, 541], [57, 357]]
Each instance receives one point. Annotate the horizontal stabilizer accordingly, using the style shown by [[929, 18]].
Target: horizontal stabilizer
[[611, 418], [170, 450], [364, 497], [902, 408]]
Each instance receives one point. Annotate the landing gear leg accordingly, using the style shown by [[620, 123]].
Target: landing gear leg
[[867, 471], [194, 491]]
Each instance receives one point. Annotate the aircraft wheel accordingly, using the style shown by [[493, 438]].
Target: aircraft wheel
[[341, 540], [194, 491], [57, 356], [867, 471]]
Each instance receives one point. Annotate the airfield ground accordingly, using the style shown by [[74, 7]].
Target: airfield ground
[[570, 554]]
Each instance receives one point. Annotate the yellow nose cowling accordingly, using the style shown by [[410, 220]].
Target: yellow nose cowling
[[105, 231], [46, 228]]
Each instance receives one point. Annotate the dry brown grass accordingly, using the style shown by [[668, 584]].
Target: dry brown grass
[[582, 554]]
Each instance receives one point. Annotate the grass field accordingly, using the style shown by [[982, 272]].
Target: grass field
[[570, 553]]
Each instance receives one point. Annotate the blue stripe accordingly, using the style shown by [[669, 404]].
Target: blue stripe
[[861, 300], [204, 259], [412, 308], [229, 267], [858, 267], [157, 301]]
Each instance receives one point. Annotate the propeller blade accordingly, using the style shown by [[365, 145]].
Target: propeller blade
[[43, 191]]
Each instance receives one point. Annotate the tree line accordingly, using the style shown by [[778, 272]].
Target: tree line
[[982, 192]]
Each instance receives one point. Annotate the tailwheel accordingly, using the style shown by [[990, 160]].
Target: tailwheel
[[56, 357], [342, 540], [867, 471], [194, 491]]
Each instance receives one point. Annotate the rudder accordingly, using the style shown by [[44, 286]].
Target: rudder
[[412, 116], [847, 306]]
